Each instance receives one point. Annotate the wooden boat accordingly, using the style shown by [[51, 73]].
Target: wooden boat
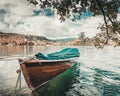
[[43, 68], [38, 72]]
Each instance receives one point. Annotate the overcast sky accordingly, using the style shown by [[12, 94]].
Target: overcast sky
[[17, 16]]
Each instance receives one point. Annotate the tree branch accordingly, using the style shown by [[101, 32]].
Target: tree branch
[[100, 7]]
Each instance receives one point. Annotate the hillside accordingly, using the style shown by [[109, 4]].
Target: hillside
[[20, 39]]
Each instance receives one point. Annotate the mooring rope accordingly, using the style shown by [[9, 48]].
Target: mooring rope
[[18, 82], [18, 79]]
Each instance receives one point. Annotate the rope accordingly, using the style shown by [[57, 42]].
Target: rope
[[18, 82], [18, 79]]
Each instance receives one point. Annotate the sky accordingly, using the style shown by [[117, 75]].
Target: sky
[[18, 16]]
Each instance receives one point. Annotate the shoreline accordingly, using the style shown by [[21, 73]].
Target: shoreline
[[14, 39]]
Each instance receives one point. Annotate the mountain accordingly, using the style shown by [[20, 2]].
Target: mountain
[[64, 40]]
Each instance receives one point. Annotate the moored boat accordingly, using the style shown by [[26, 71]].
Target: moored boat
[[41, 69], [37, 73]]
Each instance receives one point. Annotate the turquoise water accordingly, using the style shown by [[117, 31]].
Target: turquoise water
[[60, 84], [96, 72]]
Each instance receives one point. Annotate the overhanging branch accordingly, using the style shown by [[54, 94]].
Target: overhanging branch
[[101, 9]]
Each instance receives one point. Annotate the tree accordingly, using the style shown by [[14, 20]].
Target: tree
[[67, 8], [82, 36]]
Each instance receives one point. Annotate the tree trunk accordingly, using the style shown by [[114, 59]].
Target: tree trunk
[[100, 6]]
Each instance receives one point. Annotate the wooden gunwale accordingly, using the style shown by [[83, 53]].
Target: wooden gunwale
[[44, 65]]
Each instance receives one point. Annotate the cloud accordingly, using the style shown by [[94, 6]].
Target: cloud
[[16, 7], [13, 12], [51, 27], [20, 17]]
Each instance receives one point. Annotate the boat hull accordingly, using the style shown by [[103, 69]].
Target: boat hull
[[38, 72]]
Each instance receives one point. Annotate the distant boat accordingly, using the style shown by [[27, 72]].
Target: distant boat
[[39, 71]]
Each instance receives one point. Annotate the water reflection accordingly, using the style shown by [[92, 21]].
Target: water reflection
[[59, 85], [10, 50], [21, 50]]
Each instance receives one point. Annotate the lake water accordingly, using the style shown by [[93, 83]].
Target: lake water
[[96, 72]]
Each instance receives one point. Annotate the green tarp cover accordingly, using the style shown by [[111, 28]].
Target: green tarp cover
[[66, 53]]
